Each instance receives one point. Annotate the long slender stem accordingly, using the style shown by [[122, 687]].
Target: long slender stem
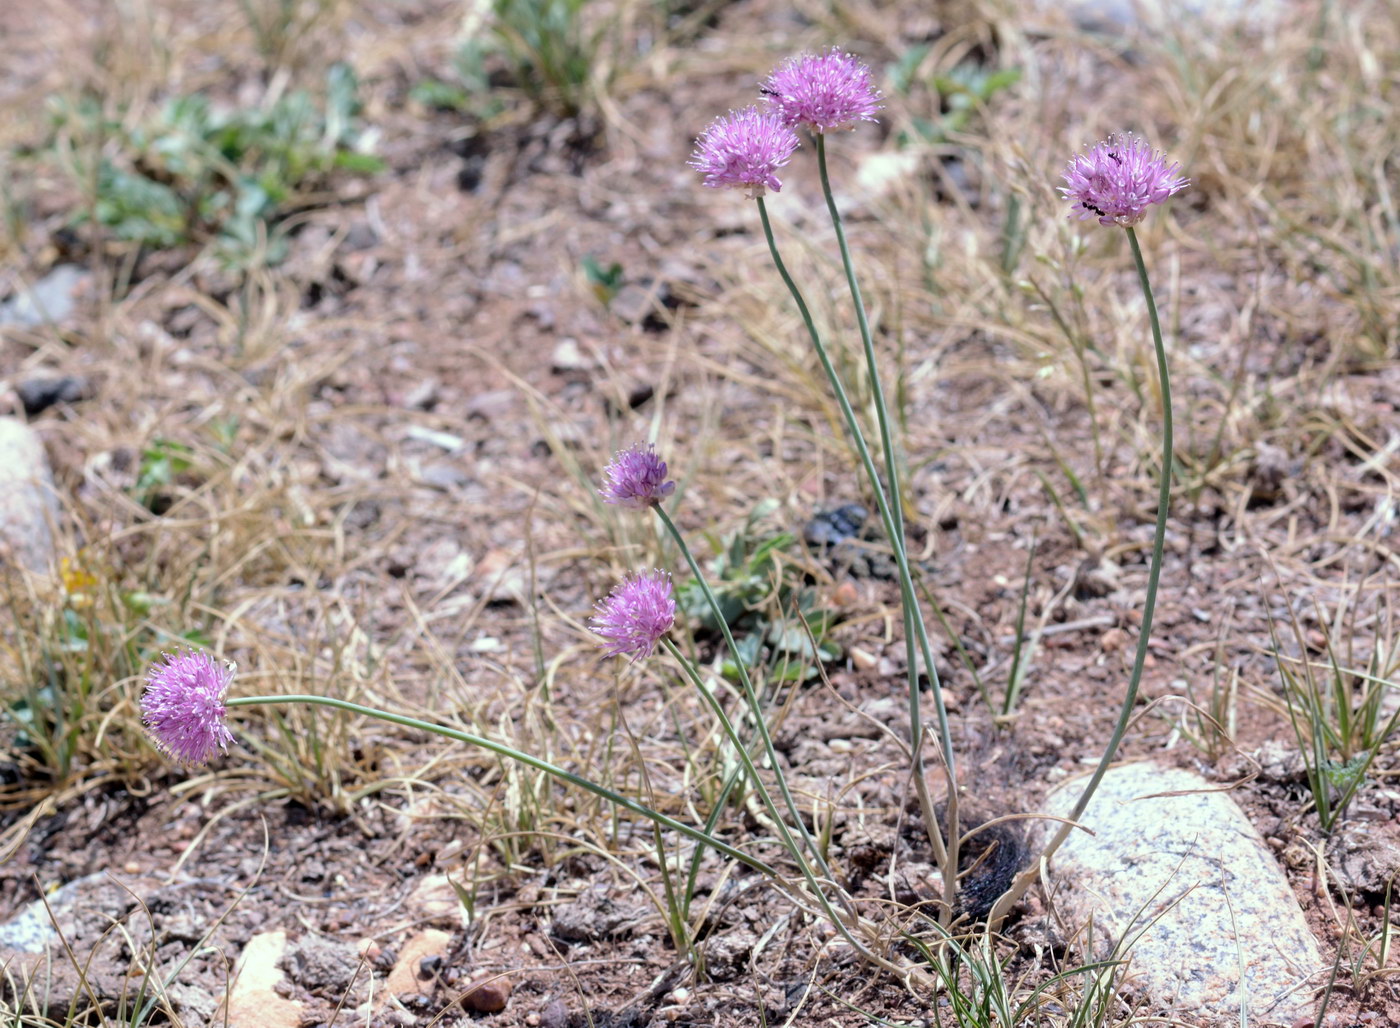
[[507, 751], [1154, 573], [760, 723], [882, 416], [872, 365], [788, 842], [908, 598]]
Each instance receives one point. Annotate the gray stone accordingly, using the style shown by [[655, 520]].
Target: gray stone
[[1175, 863], [28, 504], [1112, 17], [39, 394], [32, 929], [49, 299]]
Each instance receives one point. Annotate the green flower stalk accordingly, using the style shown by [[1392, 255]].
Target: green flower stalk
[[1116, 182]]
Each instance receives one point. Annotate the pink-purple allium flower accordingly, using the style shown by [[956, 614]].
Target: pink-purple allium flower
[[636, 478], [826, 91], [744, 150], [183, 706], [636, 615], [1118, 179]]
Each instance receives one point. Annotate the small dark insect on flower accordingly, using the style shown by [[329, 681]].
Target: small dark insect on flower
[[1116, 158], [765, 91], [1091, 207]]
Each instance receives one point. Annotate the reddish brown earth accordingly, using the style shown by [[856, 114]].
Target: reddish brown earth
[[444, 296]]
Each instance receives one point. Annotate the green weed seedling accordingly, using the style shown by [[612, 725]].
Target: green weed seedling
[[961, 92], [198, 174], [541, 48], [765, 602], [1337, 706]]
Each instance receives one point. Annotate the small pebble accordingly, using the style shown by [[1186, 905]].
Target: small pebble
[[489, 997], [864, 660], [1113, 640]]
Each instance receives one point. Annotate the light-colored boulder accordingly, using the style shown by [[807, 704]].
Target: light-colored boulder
[[1174, 861], [28, 503]]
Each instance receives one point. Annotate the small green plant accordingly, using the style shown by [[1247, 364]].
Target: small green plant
[[542, 48], [1337, 706], [54, 696], [961, 93], [197, 174], [468, 89], [605, 281], [777, 619], [553, 56]]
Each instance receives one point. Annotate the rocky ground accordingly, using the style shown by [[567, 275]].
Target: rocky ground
[[367, 468]]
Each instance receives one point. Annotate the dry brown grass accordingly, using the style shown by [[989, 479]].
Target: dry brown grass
[[303, 542]]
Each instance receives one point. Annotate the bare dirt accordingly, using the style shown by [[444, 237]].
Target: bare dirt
[[431, 370]]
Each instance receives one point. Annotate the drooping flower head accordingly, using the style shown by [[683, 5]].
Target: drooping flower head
[[744, 150], [1118, 179], [636, 478], [826, 91], [636, 615], [183, 706]]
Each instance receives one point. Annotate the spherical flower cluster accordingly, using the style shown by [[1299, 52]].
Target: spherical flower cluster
[[636, 478], [826, 91], [183, 706], [1118, 179], [744, 149], [634, 617]]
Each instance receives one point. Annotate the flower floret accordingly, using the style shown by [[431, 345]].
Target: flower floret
[[636, 478], [744, 150], [825, 91], [1118, 179], [634, 617], [183, 706]]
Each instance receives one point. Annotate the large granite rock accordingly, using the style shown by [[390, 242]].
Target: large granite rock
[[28, 504], [1179, 863]]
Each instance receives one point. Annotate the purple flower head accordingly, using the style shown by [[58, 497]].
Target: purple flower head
[[826, 91], [1118, 179], [636, 615], [744, 149], [636, 478], [183, 706]]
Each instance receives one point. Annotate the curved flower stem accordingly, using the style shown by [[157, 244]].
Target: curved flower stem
[[882, 416], [1154, 573], [908, 598], [507, 751], [760, 724]]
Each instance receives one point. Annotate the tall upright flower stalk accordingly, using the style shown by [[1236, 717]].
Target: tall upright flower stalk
[[827, 92], [912, 614], [1116, 182]]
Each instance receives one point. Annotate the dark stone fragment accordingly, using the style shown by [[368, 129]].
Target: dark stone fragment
[[829, 527], [39, 394]]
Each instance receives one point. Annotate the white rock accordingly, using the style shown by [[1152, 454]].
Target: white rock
[[1195, 863], [28, 503], [51, 298]]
